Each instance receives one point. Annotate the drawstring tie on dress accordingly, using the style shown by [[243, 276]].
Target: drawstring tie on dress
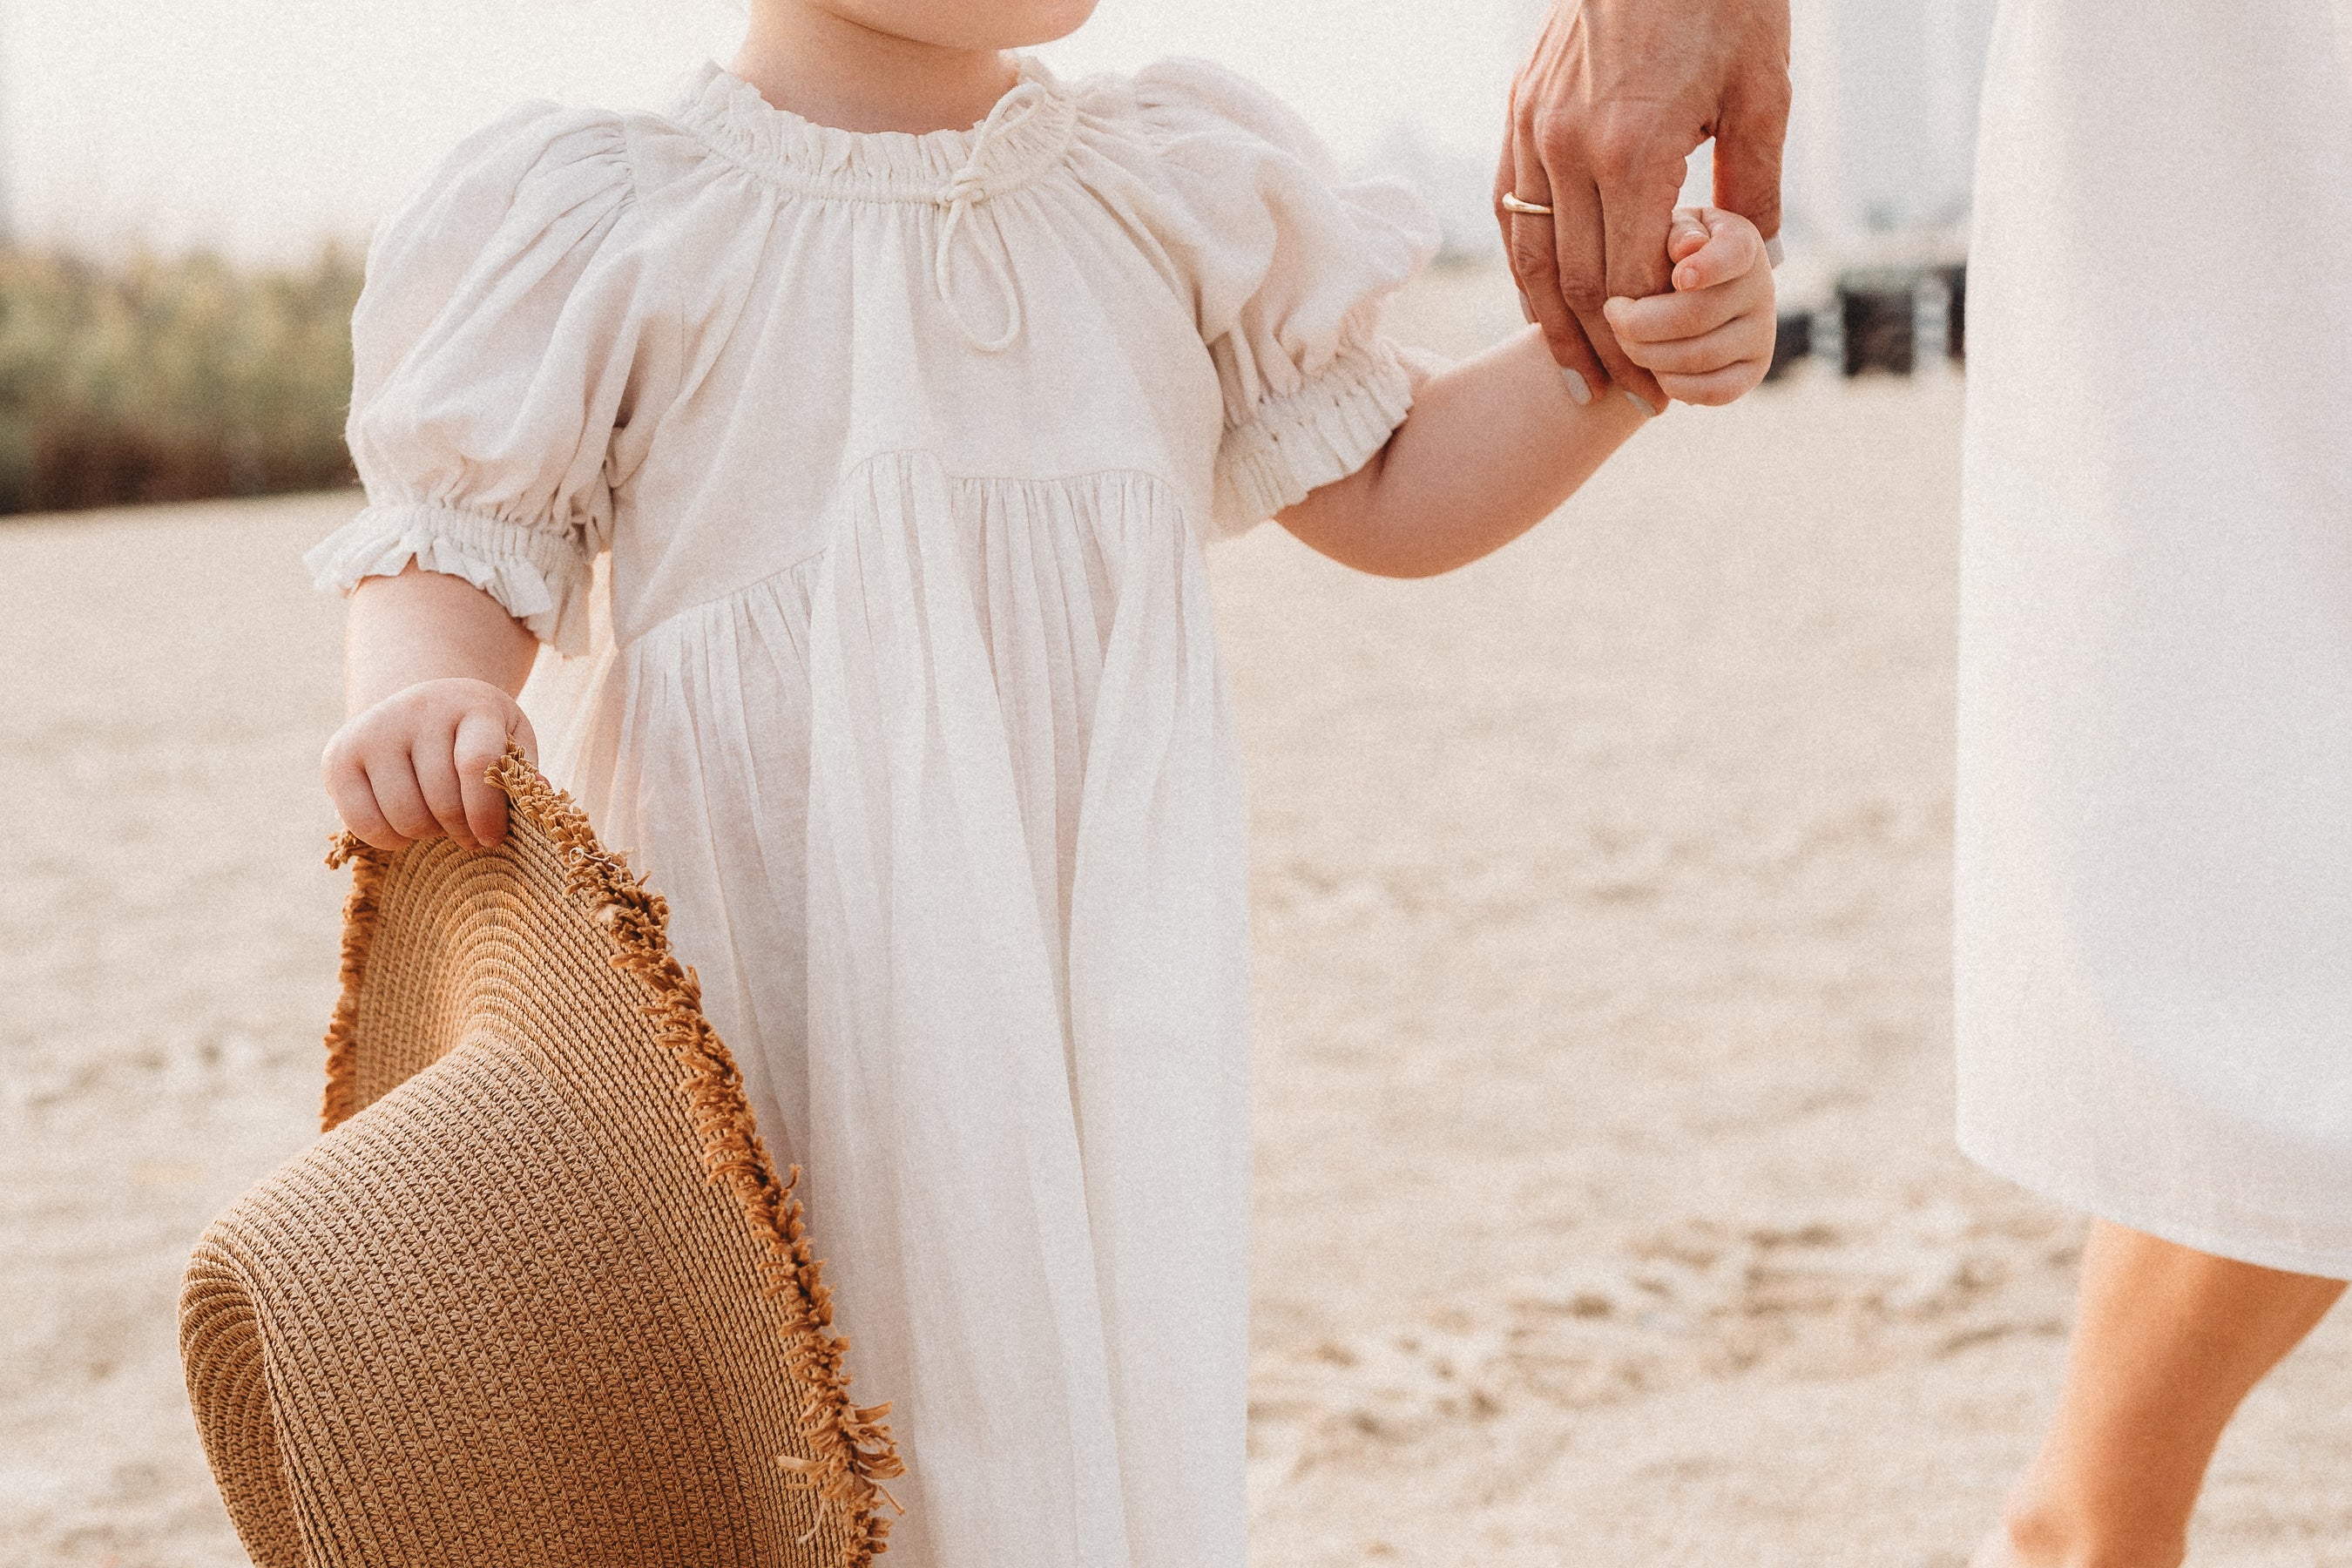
[[967, 189]]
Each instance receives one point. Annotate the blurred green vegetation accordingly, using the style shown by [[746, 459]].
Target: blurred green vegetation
[[157, 379]]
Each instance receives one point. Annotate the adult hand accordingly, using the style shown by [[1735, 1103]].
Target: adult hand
[[1615, 98]]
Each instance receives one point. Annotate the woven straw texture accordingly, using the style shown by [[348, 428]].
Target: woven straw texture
[[537, 1296]]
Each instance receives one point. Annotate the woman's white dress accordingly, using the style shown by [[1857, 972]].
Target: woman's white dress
[[904, 449], [2155, 859]]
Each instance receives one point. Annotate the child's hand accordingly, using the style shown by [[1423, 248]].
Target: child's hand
[[1710, 340], [412, 765]]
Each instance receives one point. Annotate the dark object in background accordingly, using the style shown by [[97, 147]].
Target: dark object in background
[[1877, 304], [1877, 323], [164, 381], [1792, 339], [1956, 284]]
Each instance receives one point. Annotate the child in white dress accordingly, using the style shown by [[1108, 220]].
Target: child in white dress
[[903, 443]]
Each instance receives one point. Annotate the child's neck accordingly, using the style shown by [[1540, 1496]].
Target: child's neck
[[834, 71]]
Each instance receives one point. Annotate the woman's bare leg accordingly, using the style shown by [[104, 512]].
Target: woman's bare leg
[[2168, 1340]]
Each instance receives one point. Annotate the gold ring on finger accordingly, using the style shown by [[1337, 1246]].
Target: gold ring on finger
[[1512, 204]]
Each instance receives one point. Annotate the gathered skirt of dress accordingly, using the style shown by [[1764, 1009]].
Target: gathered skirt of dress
[[958, 804]]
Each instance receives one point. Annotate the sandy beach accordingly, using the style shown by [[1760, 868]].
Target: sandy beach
[[1607, 1211]]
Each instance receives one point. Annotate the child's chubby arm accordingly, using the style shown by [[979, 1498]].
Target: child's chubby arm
[[432, 665], [1494, 444]]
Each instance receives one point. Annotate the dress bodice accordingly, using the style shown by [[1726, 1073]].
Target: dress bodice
[[676, 335]]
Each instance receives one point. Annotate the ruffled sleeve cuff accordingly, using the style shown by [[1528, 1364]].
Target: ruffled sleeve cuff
[[1323, 432], [541, 577]]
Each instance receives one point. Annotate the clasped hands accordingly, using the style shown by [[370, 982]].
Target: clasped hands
[[1630, 291]]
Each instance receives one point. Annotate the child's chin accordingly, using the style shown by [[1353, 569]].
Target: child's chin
[[1042, 21], [974, 24]]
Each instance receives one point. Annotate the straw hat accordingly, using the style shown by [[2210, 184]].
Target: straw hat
[[537, 1296]]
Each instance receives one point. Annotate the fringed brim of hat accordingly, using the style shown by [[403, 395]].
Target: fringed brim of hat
[[493, 1073]]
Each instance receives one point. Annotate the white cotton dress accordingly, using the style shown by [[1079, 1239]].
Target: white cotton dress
[[2154, 901], [904, 450]]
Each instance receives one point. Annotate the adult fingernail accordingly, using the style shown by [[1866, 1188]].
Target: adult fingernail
[[1577, 389], [1638, 401], [1526, 308]]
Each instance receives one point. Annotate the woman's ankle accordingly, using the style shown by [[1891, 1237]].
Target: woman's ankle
[[2042, 1533]]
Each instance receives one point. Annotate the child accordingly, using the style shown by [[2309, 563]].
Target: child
[[903, 441]]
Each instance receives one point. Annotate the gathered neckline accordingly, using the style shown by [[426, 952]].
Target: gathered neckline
[[728, 112]]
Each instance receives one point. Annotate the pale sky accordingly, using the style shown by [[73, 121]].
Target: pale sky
[[260, 126]]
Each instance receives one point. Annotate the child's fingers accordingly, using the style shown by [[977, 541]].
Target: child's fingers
[[1687, 231], [1663, 318], [436, 767], [522, 735], [481, 741], [1727, 384], [354, 802], [1730, 344], [391, 780], [1732, 250]]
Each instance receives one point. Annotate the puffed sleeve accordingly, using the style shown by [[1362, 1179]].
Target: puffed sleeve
[[1290, 269], [493, 351]]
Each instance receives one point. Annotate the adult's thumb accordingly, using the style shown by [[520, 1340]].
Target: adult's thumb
[[1748, 165]]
